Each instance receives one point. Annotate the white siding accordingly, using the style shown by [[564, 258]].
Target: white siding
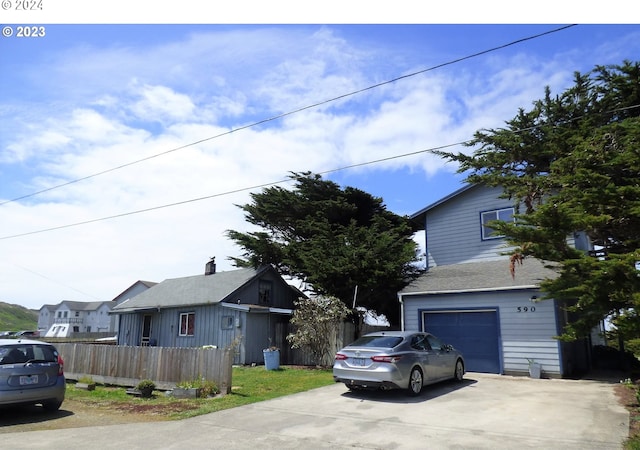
[[453, 233], [522, 335]]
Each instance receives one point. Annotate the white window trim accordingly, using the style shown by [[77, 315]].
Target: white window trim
[[186, 331], [485, 231]]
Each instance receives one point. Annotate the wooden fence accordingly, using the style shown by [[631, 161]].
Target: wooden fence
[[126, 366]]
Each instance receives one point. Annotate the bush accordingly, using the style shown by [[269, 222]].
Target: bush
[[146, 387], [207, 387], [146, 384]]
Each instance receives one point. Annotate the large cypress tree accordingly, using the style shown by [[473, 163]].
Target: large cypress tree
[[335, 240], [573, 162]]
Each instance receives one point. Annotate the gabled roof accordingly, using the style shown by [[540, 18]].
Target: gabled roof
[[146, 284], [419, 216], [82, 306], [191, 291], [480, 276]]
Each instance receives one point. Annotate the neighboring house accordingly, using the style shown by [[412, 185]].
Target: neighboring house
[[243, 307], [130, 292], [70, 317], [469, 298]]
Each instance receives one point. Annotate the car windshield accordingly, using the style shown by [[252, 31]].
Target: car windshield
[[377, 341], [22, 353]]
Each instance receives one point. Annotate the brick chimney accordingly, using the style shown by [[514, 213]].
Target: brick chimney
[[210, 267]]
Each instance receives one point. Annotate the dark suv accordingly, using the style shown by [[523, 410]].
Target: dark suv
[[31, 372]]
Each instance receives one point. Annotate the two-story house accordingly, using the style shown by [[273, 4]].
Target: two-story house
[[470, 297], [71, 317]]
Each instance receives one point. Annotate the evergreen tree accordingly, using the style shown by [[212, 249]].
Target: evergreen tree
[[573, 164], [335, 240]]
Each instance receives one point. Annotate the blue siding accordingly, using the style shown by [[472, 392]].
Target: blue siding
[[453, 229], [522, 335]]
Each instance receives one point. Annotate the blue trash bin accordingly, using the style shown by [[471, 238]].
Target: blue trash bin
[[271, 359]]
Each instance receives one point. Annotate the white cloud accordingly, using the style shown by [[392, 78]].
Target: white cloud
[[161, 104], [96, 115]]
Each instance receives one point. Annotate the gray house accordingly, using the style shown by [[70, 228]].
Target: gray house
[[470, 298], [133, 290], [244, 306], [70, 318]]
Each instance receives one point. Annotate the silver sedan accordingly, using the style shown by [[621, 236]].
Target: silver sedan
[[397, 360]]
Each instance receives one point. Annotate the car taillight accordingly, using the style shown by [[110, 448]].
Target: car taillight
[[386, 359], [60, 366], [340, 357]]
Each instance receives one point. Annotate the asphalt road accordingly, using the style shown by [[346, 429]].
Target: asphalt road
[[483, 412]]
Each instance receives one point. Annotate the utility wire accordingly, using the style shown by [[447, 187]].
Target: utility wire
[[221, 194], [280, 116], [433, 150]]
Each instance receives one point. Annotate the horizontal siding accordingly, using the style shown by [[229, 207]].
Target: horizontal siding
[[522, 334], [453, 228], [518, 353]]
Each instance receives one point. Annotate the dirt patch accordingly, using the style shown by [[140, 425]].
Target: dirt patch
[[627, 397], [76, 414]]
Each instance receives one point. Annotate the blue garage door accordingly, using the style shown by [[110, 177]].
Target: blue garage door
[[473, 332]]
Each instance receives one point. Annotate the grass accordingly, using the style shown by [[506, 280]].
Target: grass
[[17, 318], [249, 385]]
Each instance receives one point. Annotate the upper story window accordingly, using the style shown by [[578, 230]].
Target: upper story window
[[505, 214], [264, 292]]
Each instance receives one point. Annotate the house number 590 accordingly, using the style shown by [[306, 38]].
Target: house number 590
[[526, 308]]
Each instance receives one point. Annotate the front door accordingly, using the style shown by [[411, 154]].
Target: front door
[[146, 330]]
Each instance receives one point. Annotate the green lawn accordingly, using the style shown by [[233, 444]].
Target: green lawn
[[249, 385]]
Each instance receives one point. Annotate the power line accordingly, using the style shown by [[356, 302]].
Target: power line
[[57, 282], [433, 150], [280, 116], [221, 194]]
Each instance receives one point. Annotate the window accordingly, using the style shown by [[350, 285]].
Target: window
[[227, 322], [187, 321], [505, 215], [418, 342], [434, 343], [77, 313], [264, 296]]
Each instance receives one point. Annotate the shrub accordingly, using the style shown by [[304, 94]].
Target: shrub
[[207, 387], [146, 387]]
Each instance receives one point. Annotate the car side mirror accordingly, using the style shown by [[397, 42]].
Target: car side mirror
[[447, 347]]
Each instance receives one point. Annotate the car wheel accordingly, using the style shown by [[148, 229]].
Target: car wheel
[[52, 405], [415, 382], [459, 372]]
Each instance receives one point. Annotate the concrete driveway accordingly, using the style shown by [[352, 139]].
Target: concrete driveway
[[483, 412]]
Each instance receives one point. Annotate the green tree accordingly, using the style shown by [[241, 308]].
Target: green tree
[[573, 164], [316, 322], [335, 240]]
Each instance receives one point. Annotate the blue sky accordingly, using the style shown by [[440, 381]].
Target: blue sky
[[86, 99]]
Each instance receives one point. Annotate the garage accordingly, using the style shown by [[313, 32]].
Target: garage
[[475, 332]]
